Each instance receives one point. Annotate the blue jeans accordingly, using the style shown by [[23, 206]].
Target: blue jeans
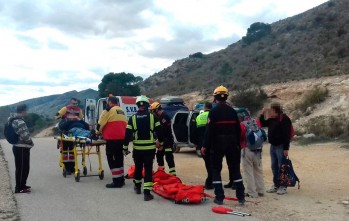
[[276, 156]]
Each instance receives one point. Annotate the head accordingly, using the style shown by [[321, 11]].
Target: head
[[208, 106], [221, 94], [74, 102], [156, 108], [142, 103], [22, 110], [112, 101], [275, 110]]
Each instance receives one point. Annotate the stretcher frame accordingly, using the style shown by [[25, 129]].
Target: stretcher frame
[[84, 150]]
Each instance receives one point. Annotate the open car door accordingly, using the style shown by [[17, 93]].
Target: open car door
[[180, 130], [193, 133], [90, 115]]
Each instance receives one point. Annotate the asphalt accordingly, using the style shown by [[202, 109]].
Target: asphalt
[[54, 197]]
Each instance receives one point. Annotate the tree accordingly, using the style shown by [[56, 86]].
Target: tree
[[251, 98], [120, 84], [256, 31]]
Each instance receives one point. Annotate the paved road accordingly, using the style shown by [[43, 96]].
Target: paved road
[[54, 197]]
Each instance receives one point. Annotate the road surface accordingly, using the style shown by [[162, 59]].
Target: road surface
[[54, 197]]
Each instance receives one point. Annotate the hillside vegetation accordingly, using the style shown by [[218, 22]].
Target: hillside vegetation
[[309, 45]]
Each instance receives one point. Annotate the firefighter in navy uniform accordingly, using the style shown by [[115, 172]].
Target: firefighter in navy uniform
[[141, 129], [222, 138], [167, 150]]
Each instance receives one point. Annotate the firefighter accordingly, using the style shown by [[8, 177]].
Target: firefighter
[[201, 122], [167, 150], [141, 128], [222, 138], [112, 124]]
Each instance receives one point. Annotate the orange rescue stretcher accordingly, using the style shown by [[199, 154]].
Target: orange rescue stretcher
[[79, 146]]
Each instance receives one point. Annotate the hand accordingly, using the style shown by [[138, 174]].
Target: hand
[[203, 151], [97, 132], [126, 152], [286, 153]]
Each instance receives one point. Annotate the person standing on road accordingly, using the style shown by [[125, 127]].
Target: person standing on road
[[252, 138], [141, 129], [112, 124], [222, 138], [279, 130], [167, 149], [201, 123], [21, 150]]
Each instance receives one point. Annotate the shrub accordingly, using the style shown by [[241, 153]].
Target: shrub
[[327, 126], [312, 97], [251, 98]]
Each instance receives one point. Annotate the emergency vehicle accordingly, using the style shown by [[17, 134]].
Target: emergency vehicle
[[93, 109]]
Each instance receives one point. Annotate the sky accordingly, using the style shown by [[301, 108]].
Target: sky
[[55, 46]]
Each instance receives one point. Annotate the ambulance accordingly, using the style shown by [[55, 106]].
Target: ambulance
[[93, 109]]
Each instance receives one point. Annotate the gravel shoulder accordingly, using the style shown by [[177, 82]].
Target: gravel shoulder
[[8, 205]]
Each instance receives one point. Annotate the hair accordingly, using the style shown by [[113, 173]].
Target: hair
[[208, 105], [113, 100], [276, 107], [21, 108], [74, 99]]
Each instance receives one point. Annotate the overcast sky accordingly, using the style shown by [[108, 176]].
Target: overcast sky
[[54, 46]]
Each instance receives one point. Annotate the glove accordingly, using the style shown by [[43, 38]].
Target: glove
[[126, 151], [97, 132]]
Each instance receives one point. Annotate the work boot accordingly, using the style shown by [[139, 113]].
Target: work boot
[[115, 185], [17, 190], [27, 187], [217, 201], [242, 202], [147, 195], [137, 188]]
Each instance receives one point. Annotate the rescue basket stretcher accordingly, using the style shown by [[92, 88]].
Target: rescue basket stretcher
[[81, 146]]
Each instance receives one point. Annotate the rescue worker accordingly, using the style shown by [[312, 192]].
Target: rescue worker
[[222, 138], [112, 125], [71, 116], [141, 128], [201, 122], [167, 151]]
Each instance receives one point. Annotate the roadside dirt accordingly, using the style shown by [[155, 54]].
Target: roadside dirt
[[324, 187]]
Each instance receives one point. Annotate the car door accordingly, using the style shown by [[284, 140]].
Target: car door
[[179, 127], [193, 138], [90, 115]]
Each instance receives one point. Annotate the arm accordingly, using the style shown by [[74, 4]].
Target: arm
[[158, 130], [81, 115], [22, 130], [286, 130], [103, 119], [129, 133], [61, 112]]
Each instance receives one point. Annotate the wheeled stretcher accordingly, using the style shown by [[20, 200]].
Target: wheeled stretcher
[[72, 147]]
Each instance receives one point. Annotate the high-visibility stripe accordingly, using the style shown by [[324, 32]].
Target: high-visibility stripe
[[129, 127], [172, 171], [148, 186], [168, 149], [226, 122], [146, 144], [117, 172], [68, 158], [144, 147], [217, 182], [239, 180], [134, 122]]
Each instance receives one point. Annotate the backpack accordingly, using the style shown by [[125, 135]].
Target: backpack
[[255, 136], [287, 176], [10, 133]]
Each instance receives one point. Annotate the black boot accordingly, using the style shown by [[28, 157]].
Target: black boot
[[117, 183], [147, 195], [137, 188], [208, 185], [240, 192], [229, 185]]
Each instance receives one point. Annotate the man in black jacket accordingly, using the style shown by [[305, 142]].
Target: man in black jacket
[[279, 130]]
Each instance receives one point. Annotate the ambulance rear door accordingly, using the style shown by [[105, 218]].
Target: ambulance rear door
[[90, 115]]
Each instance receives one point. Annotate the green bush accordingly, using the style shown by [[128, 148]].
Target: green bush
[[328, 126], [251, 98], [312, 97]]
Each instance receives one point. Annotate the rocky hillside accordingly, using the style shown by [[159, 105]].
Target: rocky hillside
[[309, 45]]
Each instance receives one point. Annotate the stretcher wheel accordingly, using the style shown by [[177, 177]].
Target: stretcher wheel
[[84, 171], [101, 175], [77, 177], [64, 173]]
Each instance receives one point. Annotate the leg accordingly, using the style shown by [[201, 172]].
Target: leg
[[148, 177], [170, 160], [137, 180], [233, 156], [26, 166], [258, 174], [207, 160], [248, 164], [216, 162], [160, 158], [116, 163], [17, 152]]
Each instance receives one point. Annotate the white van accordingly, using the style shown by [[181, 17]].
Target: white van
[[93, 109]]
